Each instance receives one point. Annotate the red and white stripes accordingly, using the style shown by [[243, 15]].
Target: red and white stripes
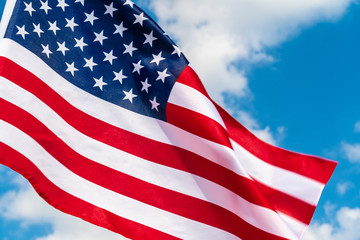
[[200, 175]]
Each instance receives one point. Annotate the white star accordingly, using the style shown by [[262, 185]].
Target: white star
[[89, 63], [129, 2], [137, 67], [62, 4], [129, 48], [71, 24], [176, 51], [157, 58], [145, 86], [154, 104], [163, 75], [149, 38], [71, 68], [29, 8], [109, 57], [37, 29], [90, 18], [99, 83], [45, 6], [110, 9], [53, 27], [62, 48], [46, 50], [120, 29], [22, 31], [80, 43], [129, 95], [119, 76], [140, 18], [100, 37], [80, 1]]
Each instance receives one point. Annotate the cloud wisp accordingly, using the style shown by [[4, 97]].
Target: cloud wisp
[[351, 151], [357, 127], [217, 35], [345, 225], [343, 187], [26, 206]]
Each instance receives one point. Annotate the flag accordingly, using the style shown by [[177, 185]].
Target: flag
[[101, 112]]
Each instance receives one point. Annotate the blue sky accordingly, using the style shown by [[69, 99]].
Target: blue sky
[[296, 85], [313, 91]]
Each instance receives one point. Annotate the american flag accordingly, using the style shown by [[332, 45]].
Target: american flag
[[101, 112]]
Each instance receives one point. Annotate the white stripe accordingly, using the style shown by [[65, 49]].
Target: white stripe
[[149, 127], [294, 184], [169, 178], [120, 117], [9, 7], [189, 98], [114, 115], [118, 204], [297, 226]]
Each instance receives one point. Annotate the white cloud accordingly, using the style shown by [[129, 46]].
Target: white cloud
[[26, 206], [344, 187], [351, 151], [215, 35], [330, 209], [264, 133], [345, 225], [253, 126], [70, 228], [357, 126]]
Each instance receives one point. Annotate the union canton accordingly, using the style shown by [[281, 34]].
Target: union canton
[[110, 49]]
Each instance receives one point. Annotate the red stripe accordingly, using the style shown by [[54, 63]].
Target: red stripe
[[72, 205], [191, 79], [180, 204], [282, 202], [287, 204], [144, 148], [126, 185], [197, 124], [313, 167], [316, 168]]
